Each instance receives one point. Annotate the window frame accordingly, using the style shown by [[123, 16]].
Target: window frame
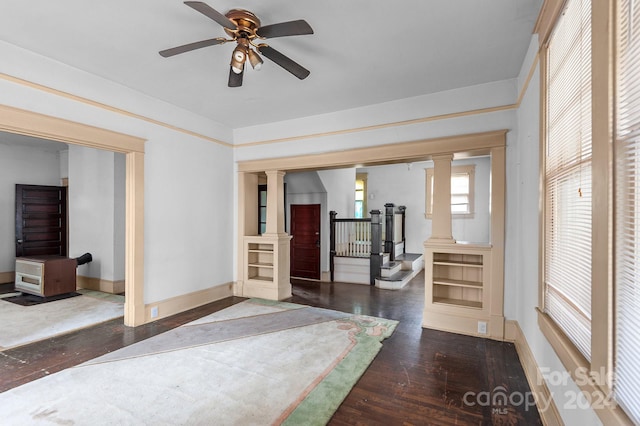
[[470, 170], [363, 178], [603, 42], [262, 218]]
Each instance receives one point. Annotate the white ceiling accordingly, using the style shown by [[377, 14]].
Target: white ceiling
[[362, 52]]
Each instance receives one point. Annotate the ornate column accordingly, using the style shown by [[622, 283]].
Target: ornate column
[[275, 203], [441, 219]]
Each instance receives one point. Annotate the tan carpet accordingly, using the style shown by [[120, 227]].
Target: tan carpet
[[21, 325], [255, 363]]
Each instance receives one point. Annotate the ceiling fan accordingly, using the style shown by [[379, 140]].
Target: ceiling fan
[[244, 28]]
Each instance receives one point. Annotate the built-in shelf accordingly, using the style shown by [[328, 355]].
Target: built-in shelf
[[467, 264], [459, 291], [261, 265], [458, 302], [457, 283], [457, 278], [260, 261], [265, 267]]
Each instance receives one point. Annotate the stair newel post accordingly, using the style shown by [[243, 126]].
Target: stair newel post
[[388, 231], [332, 240], [375, 259], [403, 213]]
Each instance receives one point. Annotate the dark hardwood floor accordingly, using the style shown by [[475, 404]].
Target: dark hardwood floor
[[419, 377]]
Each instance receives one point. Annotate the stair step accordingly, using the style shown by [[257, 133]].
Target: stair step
[[390, 268], [408, 256], [398, 276], [396, 281], [411, 261]]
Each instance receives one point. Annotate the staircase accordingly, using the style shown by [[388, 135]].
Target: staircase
[[397, 273], [370, 251]]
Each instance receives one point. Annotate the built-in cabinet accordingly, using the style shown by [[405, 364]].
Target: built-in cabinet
[[460, 295], [464, 282], [263, 245], [266, 267]]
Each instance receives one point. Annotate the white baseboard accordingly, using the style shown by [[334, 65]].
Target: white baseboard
[[546, 406], [175, 305]]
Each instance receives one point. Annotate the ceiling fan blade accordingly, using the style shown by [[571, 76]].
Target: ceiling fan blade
[[210, 12], [191, 46], [285, 62], [235, 80], [284, 29]]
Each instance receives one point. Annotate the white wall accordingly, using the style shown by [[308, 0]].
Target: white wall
[[521, 254], [404, 185], [188, 203], [119, 218], [340, 185], [94, 194], [448, 102], [23, 165], [64, 163]]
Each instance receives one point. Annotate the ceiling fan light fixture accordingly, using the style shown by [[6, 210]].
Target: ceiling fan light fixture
[[238, 58], [244, 28], [255, 60]]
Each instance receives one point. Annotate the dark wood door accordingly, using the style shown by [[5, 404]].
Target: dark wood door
[[41, 220], [305, 244]]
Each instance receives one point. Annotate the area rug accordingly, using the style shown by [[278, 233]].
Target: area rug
[[20, 325], [254, 363]]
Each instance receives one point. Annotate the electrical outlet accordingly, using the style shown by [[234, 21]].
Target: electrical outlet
[[482, 327], [154, 313]]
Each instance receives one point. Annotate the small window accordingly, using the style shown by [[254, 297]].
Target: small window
[[361, 195], [262, 209], [462, 180]]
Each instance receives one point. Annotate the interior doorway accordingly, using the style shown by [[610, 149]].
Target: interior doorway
[[305, 242], [33, 124]]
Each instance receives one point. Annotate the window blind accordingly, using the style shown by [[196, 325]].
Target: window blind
[[627, 216], [567, 246], [460, 193]]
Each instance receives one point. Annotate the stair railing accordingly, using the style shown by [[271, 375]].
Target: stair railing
[[375, 259], [394, 229], [355, 237], [350, 237]]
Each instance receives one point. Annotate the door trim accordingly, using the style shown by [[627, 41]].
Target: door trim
[[319, 234], [15, 120]]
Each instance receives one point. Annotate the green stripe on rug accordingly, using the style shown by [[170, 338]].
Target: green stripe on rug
[[318, 407]]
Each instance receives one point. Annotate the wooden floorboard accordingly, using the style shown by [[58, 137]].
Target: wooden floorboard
[[419, 377]]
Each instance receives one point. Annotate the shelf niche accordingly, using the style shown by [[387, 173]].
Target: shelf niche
[[267, 267], [459, 290]]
